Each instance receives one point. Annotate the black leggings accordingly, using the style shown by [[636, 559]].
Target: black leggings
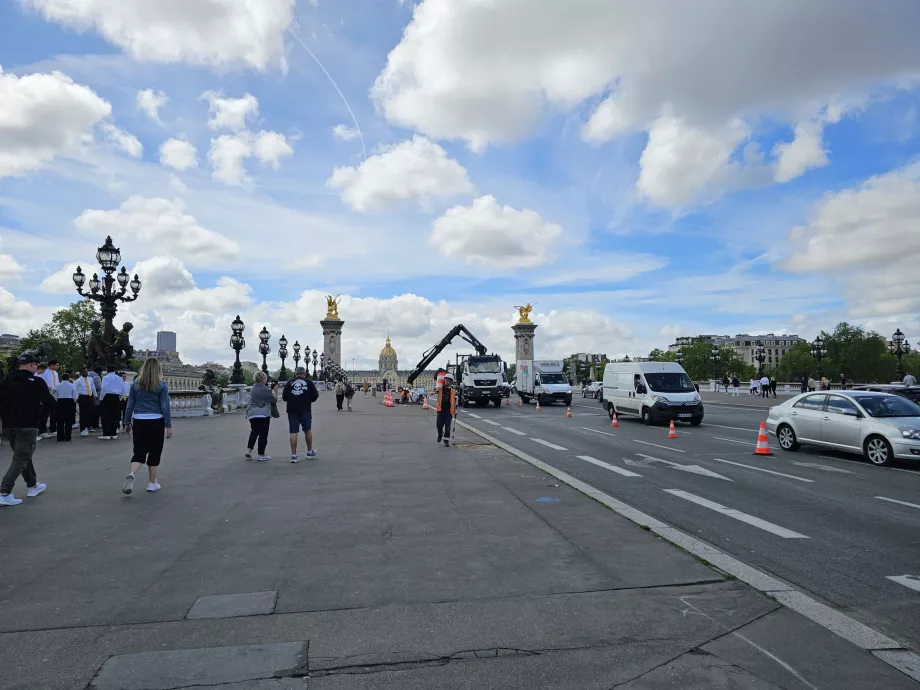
[[259, 429], [148, 441]]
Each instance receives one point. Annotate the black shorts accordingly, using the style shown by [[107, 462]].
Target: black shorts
[[300, 420]]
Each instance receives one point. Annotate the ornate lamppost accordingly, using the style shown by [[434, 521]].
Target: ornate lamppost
[[818, 351], [679, 356], [107, 293], [264, 348], [715, 356], [296, 355], [237, 342], [315, 353], [898, 346], [322, 365], [283, 354], [306, 360], [760, 354]]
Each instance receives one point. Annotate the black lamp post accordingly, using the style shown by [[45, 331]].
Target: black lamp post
[[322, 365], [296, 355], [898, 346], [818, 351], [109, 291], [679, 357], [237, 342], [760, 355], [315, 353], [264, 348], [715, 356], [283, 354]]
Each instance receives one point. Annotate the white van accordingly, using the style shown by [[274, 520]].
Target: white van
[[653, 391]]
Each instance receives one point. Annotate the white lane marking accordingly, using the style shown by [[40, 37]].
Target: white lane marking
[[761, 469], [646, 443], [737, 515], [894, 500], [910, 581], [547, 444], [612, 468], [694, 469], [735, 428], [595, 431], [474, 416], [734, 440], [865, 464], [819, 466], [489, 421], [514, 431]]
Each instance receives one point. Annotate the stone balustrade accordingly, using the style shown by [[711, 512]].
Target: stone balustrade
[[196, 403]]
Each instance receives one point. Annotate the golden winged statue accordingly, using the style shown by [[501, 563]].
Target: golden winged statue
[[332, 306], [524, 313]]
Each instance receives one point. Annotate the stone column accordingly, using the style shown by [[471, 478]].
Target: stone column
[[332, 339], [523, 341]]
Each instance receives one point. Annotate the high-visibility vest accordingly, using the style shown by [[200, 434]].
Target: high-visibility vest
[[453, 400]]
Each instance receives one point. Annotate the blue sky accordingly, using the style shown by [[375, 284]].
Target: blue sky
[[636, 172]]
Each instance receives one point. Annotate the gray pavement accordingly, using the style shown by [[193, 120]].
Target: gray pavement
[[387, 562]]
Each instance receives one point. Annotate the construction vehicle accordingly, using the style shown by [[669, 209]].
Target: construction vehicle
[[479, 377]]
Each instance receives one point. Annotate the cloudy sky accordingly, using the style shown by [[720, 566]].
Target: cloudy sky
[[636, 170]]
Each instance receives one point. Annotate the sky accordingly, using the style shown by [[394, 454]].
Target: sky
[[636, 171]]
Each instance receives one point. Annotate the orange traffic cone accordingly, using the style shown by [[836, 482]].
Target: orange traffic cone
[[520, 402], [672, 432], [613, 422], [568, 413], [425, 404], [538, 405], [507, 402], [763, 445]]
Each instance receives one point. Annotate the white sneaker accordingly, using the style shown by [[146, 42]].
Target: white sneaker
[[39, 438], [153, 487], [128, 485], [10, 500], [85, 432], [49, 435], [294, 457], [263, 458], [37, 489]]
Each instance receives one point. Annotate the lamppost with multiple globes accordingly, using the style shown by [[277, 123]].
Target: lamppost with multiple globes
[[306, 360], [237, 342], [314, 363], [715, 356], [760, 354], [264, 347], [283, 354], [322, 365], [297, 355], [898, 346], [818, 351], [105, 291]]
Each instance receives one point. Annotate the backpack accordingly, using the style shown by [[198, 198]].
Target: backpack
[[349, 391]]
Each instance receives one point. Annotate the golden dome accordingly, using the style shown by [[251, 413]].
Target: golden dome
[[388, 350]]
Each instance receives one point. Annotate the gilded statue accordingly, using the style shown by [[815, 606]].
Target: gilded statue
[[332, 306], [524, 313]]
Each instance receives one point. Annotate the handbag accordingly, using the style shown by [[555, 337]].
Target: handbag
[[275, 413]]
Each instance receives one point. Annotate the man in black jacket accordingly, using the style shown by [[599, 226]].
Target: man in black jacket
[[299, 393], [22, 400]]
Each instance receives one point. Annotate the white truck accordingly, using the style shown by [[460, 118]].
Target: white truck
[[543, 380]]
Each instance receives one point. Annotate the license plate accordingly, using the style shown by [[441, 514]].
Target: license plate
[[684, 415]]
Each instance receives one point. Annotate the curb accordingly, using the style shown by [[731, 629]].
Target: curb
[[879, 645]]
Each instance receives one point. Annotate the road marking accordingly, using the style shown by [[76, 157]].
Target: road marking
[[863, 463], [595, 431], [612, 468], [733, 440], [547, 444], [489, 421], [819, 466], [694, 469], [761, 469], [738, 515], [735, 428], [474, 416], [676, 450], [894, 500], [910, 581], [514, 431]]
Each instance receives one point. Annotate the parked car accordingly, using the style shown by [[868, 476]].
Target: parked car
[[912, 393], [595, 390], [880, 426]]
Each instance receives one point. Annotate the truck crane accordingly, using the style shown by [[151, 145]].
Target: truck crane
[[479, 377]]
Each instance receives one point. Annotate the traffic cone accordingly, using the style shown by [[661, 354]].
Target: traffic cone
[[520, 402], [507, 402], [538, 405], [672, 432], [763, 445], [568, 412], [425, 404], [613, 422]]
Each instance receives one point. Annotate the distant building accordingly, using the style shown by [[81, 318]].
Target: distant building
[[388, 370], [8, 344], [164, 356], [215, 367], [166, 341], [744, 345], [251, 367]]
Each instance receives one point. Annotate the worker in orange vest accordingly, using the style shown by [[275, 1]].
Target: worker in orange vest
[[446, 409]]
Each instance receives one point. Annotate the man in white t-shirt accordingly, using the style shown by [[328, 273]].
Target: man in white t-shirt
[[764, 386], [66, 395], [86, 400], [49, 417]]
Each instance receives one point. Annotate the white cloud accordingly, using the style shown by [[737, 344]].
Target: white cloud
[[161, 223], [230, 113], [344, 133], [122, 140], [17, 315], [416, 169], [178, 154], [43, 115], [228, 152], [804, 152], [494, 235], [10, 269], [61, 281], [150, 102], [600, 269], [218, 33]]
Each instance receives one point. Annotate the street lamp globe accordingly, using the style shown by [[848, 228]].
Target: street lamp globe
[[122, 278], [109, 256], [79, 278], [235, 340], [264, 335], [283, 343], [94, 283], [237, 326], [135, 285], [897, 338]]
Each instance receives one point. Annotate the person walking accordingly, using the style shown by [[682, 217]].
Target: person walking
[[825, 384], [112, 389], [259, 414], [86, 401], [754, 384], [843, 382], [349, 394], [446, 409], [96, 376], [147, 415], [773, 385], [66, 408], [339, 394], [51, 376], [811, 384], [764, 386], [804, 387], [300, 394], [909, 380], [22, 399], [125, 389], [736, 386], [725, 383]]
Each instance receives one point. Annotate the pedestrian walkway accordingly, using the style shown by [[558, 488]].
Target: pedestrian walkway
[[386, 562]]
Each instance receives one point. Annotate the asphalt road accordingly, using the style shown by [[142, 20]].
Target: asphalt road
[[826, 522]]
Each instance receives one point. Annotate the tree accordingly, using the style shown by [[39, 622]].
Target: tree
[[66, 333], [658, 355], [796, 363], [862, 356], [512, 371], [223, 380]]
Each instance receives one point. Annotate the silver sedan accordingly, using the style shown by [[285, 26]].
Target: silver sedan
[[880, 426]]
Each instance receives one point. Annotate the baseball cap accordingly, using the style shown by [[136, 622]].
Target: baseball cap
[[27, 358], [449, 377]]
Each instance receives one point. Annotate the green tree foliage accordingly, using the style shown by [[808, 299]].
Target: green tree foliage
[[862, 356], [66, 333], [796, 363], [512, 371], [698, 363], [658, 355]]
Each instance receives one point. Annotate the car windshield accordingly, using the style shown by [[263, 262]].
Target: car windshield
[[553, 378], [489, 366], [670, 383], [888, 406]]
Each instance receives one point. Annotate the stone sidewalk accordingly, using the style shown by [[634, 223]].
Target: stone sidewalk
[[387, 562]]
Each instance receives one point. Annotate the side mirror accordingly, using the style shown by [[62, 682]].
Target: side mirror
[[852, 413]]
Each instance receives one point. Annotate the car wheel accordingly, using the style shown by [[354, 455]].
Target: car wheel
[[696, 422], [786, 437], [497, 403], [611, 410], [878, 451], [647, 418], [597, 395]]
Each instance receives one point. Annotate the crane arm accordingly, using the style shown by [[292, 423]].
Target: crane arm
[[430, 354]]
